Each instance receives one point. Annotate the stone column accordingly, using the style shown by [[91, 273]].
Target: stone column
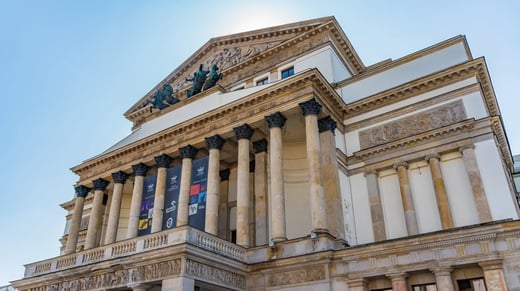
[[187, 154], [251, 211], [330, 174], [440, 191], [357, 284], [443, 278], [115, 207], [215, 144], [75, 222], [406, 198], [376, 209], [276, 122], [310, 110], [162, 162], [223, 223], [470, 161], [137, 197], [243, 134], [494, 275], [261, 222], [180, 283], [96, 214], [398, 282]]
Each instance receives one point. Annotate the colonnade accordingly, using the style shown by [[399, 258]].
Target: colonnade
[[216, 217], [441, 196], [492, 270]]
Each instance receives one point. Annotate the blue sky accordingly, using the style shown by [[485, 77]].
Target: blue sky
[[70, 69]]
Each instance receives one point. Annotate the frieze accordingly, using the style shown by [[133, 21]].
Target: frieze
[[121, 278], [297, 276], [421, 122], [215, 275]]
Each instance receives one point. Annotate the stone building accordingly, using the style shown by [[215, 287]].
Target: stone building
[[276, 160]]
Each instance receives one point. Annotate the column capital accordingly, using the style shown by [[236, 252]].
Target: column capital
[[119, 177], [215, 142], [371, 172], [311, 107], [140, 169], [252, 165], [327, 123], [163, 161], [440, 271], [428, 157], [243, 131], [357, 282], [397, 276], [276, 120], [491, 265], [188, 152], [260, 146], [100, 184], [82, 191], [466, 147], [400, 164], [224, 175]]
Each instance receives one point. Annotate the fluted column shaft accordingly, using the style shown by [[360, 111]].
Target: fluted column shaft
[[75, 222], [96, 214], [115, 207], [243, 134], [162, 162], [215, 143], [223, 213], [440, 192], [477, 186], [137, 197], [310, 110], [376, 208], [406, 198], [261, 204], [187, 154], [443, 279], [276, 122], [330, 174]]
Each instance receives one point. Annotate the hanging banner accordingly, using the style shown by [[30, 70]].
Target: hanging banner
[[199, 181], [145, 217], [171, 197]]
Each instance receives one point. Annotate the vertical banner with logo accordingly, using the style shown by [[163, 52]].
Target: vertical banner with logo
[[199, 181], [171, 197], [145, 217]]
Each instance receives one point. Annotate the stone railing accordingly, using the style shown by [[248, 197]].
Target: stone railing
[[163, 239]]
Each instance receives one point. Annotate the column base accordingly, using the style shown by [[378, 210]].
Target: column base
[[278, 239], [320, 230]]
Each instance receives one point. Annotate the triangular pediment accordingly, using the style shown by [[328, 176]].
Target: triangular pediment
[[231, 52]]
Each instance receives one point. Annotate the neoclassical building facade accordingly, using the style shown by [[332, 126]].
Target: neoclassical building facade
[[276, 160]]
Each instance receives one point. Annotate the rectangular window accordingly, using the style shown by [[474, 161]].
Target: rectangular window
[[287, 72], [262, 81], [476, 284], [425, 287]]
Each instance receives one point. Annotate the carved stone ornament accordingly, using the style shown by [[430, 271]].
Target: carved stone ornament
[[100, 184], [260, 146], [214, 275], [417, 123], [276, 120], [215, 142], [188, 152], [163, 161], [119, 177], [243, 132], [327, 123], [296, 276], [82, 191], [224, 175], [311, 107], [252, 165], [140, 169]]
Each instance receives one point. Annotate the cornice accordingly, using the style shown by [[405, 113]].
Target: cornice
[[310, 83]]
